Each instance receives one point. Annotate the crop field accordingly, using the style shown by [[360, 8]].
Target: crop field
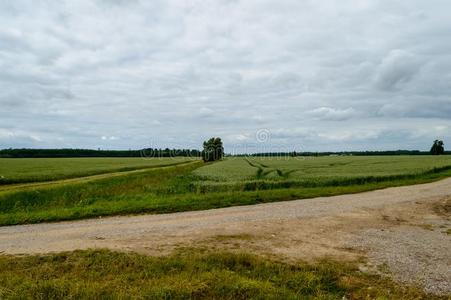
[[169, 185], [280, 168], [266, 173], [19, 170]]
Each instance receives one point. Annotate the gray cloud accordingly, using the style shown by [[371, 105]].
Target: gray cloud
[[397, 69], [124, 74]]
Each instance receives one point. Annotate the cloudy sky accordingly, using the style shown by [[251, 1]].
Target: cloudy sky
[[280, 74]]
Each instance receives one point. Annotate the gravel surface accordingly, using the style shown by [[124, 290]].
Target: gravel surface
[[413, 255], [391, 226]]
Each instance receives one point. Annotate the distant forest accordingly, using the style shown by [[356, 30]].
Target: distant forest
[[149, 152], [345, 153]]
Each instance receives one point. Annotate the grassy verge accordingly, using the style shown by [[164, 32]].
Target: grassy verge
[[163, 190], [189, 274]]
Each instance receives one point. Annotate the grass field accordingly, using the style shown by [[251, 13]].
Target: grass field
[[305, 168], [20, 170], [188, 274], [170, 186], [283, 172], [196, 186]]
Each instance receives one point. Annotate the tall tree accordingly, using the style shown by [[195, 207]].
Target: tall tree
[[213, 149], [438, 147]]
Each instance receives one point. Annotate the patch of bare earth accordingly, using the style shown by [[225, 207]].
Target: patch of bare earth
[[408, 241], [403, 232]]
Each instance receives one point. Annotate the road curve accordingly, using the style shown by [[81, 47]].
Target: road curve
[[126, 232]]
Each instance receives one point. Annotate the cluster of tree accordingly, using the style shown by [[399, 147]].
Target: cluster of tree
[[213, 149], [438, 147], [49, 153]]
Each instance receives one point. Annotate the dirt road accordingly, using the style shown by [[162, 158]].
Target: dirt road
[[405, 229]]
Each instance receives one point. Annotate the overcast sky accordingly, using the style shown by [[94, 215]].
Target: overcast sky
[[280, 74]]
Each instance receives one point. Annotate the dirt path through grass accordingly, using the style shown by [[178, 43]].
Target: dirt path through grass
[[21, 186], [402, 230]]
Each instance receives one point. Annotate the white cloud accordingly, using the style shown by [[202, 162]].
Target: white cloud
[[111, 138], [19, 136], [184, 70], [333, 114], [238, 138]]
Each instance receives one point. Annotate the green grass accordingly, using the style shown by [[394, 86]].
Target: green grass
[[21, 170], [188, 274], [238, 169], [247, 174], [131, 193], [165, 190], [173, 189]]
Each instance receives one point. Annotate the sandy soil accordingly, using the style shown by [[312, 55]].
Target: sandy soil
[[403, 231]]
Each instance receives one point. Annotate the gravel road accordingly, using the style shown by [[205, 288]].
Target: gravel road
[[390, 226]]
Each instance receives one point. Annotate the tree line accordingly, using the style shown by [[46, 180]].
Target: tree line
[[343, 153], [213, 150], [49, 153]]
